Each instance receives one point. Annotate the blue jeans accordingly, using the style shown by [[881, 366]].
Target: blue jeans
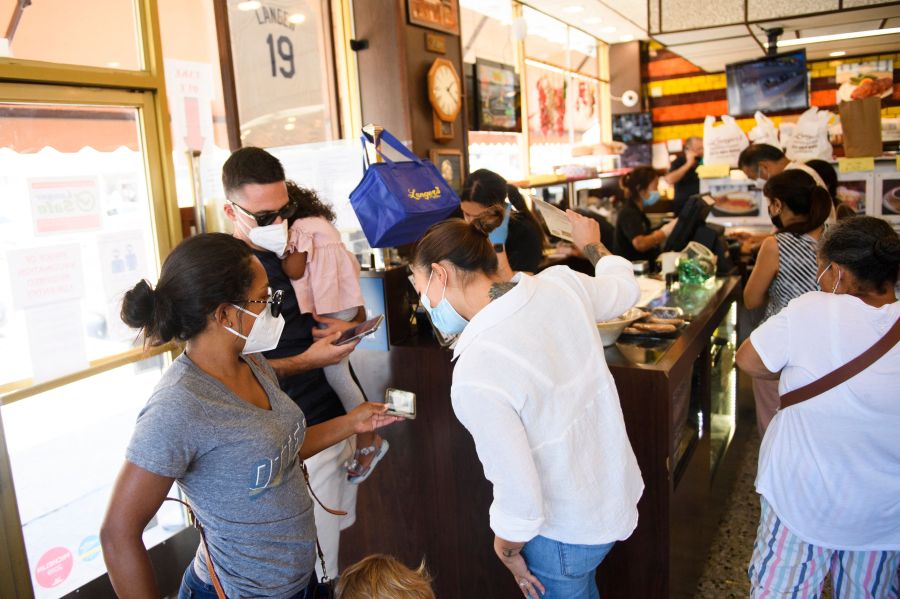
[[194, 588], [566, 571]]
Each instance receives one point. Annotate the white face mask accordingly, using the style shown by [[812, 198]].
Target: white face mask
[[273, 238], [265, 332], [837, 283]]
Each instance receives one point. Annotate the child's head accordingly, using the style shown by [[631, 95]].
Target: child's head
[[384, 577], [308, 203]]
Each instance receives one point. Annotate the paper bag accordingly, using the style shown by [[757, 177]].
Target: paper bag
[[764, 132], [861, 124], [809, 139], [722, 144]]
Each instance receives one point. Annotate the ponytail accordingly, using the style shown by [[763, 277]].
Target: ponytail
[[799, 192], [518, 202]]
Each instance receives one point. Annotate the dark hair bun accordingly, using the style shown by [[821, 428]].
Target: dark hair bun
[[887, 249], [139, 305], [490, 219]]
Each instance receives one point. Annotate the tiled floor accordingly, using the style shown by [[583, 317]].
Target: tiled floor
[[726, 570]]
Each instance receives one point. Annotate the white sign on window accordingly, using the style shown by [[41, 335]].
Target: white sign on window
[[45, 275], [65, 204]]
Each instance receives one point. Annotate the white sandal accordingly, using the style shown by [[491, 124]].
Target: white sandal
[[357, 473]]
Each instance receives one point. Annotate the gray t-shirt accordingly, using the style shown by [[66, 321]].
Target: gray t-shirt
[[239, 467]]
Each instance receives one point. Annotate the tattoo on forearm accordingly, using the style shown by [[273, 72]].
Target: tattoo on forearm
[[510, 552], [498, 289], [595, 251]]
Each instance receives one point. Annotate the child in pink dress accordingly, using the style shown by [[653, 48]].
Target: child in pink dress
[[325, 277]]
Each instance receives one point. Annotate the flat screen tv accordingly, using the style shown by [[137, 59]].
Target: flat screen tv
[[770, 84], [635, 127]]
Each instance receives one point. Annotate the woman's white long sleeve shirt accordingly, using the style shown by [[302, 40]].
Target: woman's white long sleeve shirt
[[532, 386]]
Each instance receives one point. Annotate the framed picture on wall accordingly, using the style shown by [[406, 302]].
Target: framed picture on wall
[[450, 163], [736, 203], [442, 15], [498, 98], [887, 196], [856, 190]]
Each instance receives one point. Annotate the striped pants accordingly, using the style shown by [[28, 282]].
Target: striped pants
[[783, 565]]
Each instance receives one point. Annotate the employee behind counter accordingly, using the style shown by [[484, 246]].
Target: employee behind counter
[[634, 239]]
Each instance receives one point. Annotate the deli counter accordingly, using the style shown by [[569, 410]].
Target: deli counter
[[429, 498]]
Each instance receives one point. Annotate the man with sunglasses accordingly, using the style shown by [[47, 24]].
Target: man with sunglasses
[[258, 206]]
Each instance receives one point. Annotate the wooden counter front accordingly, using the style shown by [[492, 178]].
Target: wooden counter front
[[429, 499]]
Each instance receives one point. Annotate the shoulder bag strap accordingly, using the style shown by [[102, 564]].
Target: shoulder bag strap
[[251, 358], [192, 518], [845, 372]]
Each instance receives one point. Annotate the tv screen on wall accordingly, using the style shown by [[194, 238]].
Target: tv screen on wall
[[770, 84]]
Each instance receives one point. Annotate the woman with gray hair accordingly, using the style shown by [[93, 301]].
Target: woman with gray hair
[[829, 465]]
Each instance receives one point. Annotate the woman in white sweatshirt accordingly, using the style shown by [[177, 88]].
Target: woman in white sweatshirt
[[547, 426]]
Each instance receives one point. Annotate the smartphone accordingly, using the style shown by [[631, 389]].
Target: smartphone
[[361, 330], [400, 403]]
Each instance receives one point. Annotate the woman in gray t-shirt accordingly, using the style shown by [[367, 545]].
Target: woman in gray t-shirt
[[219, 425]]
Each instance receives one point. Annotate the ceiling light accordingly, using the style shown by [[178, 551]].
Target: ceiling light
[[249, 5], [291, 119], [593, 21], [608, 29], [575, 8], [816, 39], [289, 127], [297, 18], [838, 53], [626, 38], [113, 65]]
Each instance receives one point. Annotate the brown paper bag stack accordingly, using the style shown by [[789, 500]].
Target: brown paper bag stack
[[861, 124]]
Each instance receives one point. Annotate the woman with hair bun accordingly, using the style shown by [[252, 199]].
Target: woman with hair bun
[[519, 239], [547, 426], [634, 238], [220, 427], [829, 466], [786, 264]]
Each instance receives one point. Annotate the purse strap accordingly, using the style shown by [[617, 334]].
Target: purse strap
[[845, 372], [192, 518]]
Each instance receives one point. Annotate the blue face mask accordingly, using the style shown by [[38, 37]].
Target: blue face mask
[[654, 197], [443, 316]]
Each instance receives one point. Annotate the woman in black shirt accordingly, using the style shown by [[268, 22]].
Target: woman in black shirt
[[634, 239], [523, 248]]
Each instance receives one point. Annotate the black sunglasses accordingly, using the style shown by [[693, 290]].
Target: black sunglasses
[[268, 217], [276, 298]]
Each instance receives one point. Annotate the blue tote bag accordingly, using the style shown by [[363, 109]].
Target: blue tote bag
[[396, 202]]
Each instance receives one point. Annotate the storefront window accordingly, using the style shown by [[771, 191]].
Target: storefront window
[[583, 55], [66, 447], [547, 39], [200, 143], [284, 72], [94, 33], [76, 232]]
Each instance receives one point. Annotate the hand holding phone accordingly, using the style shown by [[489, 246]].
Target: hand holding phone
[[361, 330], [400, 403]]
